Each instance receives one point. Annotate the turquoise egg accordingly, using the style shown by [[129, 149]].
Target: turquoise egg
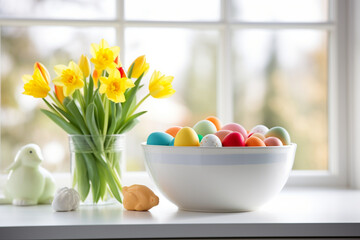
[[159, 138], [280, 133], [204, 127], [172, 142]]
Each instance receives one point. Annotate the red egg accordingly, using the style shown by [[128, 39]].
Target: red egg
[[222, 134], [234, 139], [236, 128]]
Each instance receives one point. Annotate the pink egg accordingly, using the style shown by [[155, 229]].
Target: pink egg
[[222, 134], [273, 141], [236, 128], [234, 139]]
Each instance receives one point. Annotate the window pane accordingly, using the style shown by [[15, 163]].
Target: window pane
[[280, 10], [281, 80], [21, 120], [53, 9], [172, 10], [189, 56]]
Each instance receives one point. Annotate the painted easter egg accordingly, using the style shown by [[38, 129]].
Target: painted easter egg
[[280, 133], [222, 134], [159, 138], [200, 137], [235, 128], [215, 121], [210, 140], [259, 135], [172, 142], [254, 141], [272, 141], [186, 137], [260, 129], [173, 130], [234, 139], [204, 127]]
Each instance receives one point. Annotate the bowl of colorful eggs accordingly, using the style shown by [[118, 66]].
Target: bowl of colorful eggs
[[215, 168]]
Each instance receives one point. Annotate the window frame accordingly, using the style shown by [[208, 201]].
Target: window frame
[[340, 91]]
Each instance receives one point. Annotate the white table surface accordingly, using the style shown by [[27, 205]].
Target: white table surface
[[295, 212]]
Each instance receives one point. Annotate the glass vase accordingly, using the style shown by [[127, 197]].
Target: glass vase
[[97, 163]]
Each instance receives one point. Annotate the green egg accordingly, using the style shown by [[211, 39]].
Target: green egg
[[280, 133], [204, 127], [200, 137]]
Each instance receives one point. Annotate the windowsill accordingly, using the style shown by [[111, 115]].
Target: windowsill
[[295, 212]]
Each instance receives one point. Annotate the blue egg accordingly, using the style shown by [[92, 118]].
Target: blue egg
[[159, 138], [172, 142]]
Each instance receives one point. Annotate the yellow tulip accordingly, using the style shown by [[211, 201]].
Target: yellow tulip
[[140, 67], [160, 85], [84, 65], [115, 86], [69, 77], [104, 56], [43, 70], [37, 85]]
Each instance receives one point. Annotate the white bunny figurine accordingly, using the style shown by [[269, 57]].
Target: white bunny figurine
[[28, 183]]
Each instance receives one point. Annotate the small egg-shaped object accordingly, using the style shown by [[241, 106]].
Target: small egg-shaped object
[[234, 139], [159, 138], [280, 133], [254, 141], [210, 140], [200, 137], [186, 137], [222, 134], [215, 121], [66, 199], [204, 127], [172, 142], [262, 129], [259, 135], [273, 141], [173, 130], [236, 128]]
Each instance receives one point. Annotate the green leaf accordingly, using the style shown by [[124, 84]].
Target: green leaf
[[129, 98], [100, 109], [94, 131], [82, 176], [128, 125], [129, 73], [66, 126], [74, 110], [93, 175], [90, 90], [67, 115], [112, 118], [102, 179]]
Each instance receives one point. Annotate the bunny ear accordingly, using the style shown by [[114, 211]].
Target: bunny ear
[[13, 166]]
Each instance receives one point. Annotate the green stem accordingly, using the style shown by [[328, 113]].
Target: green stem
[[106, 119], [137, 105], [56, 101]]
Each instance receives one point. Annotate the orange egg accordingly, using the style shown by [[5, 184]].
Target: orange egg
[[215, 121], [173, 130], [254, 142]]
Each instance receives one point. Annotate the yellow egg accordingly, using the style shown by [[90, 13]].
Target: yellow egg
[[186, 137]]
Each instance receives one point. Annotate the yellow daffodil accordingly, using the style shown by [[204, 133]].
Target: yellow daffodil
[[104, 56], [114, 86], [84, 65], [37, 85], [59, 92], [160, 85], [69, 77], [140, 67]]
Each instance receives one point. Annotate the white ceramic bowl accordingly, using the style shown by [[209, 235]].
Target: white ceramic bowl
[[228, 179]]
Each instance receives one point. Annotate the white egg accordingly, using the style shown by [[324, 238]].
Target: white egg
[[210, 140], [260, 129]]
